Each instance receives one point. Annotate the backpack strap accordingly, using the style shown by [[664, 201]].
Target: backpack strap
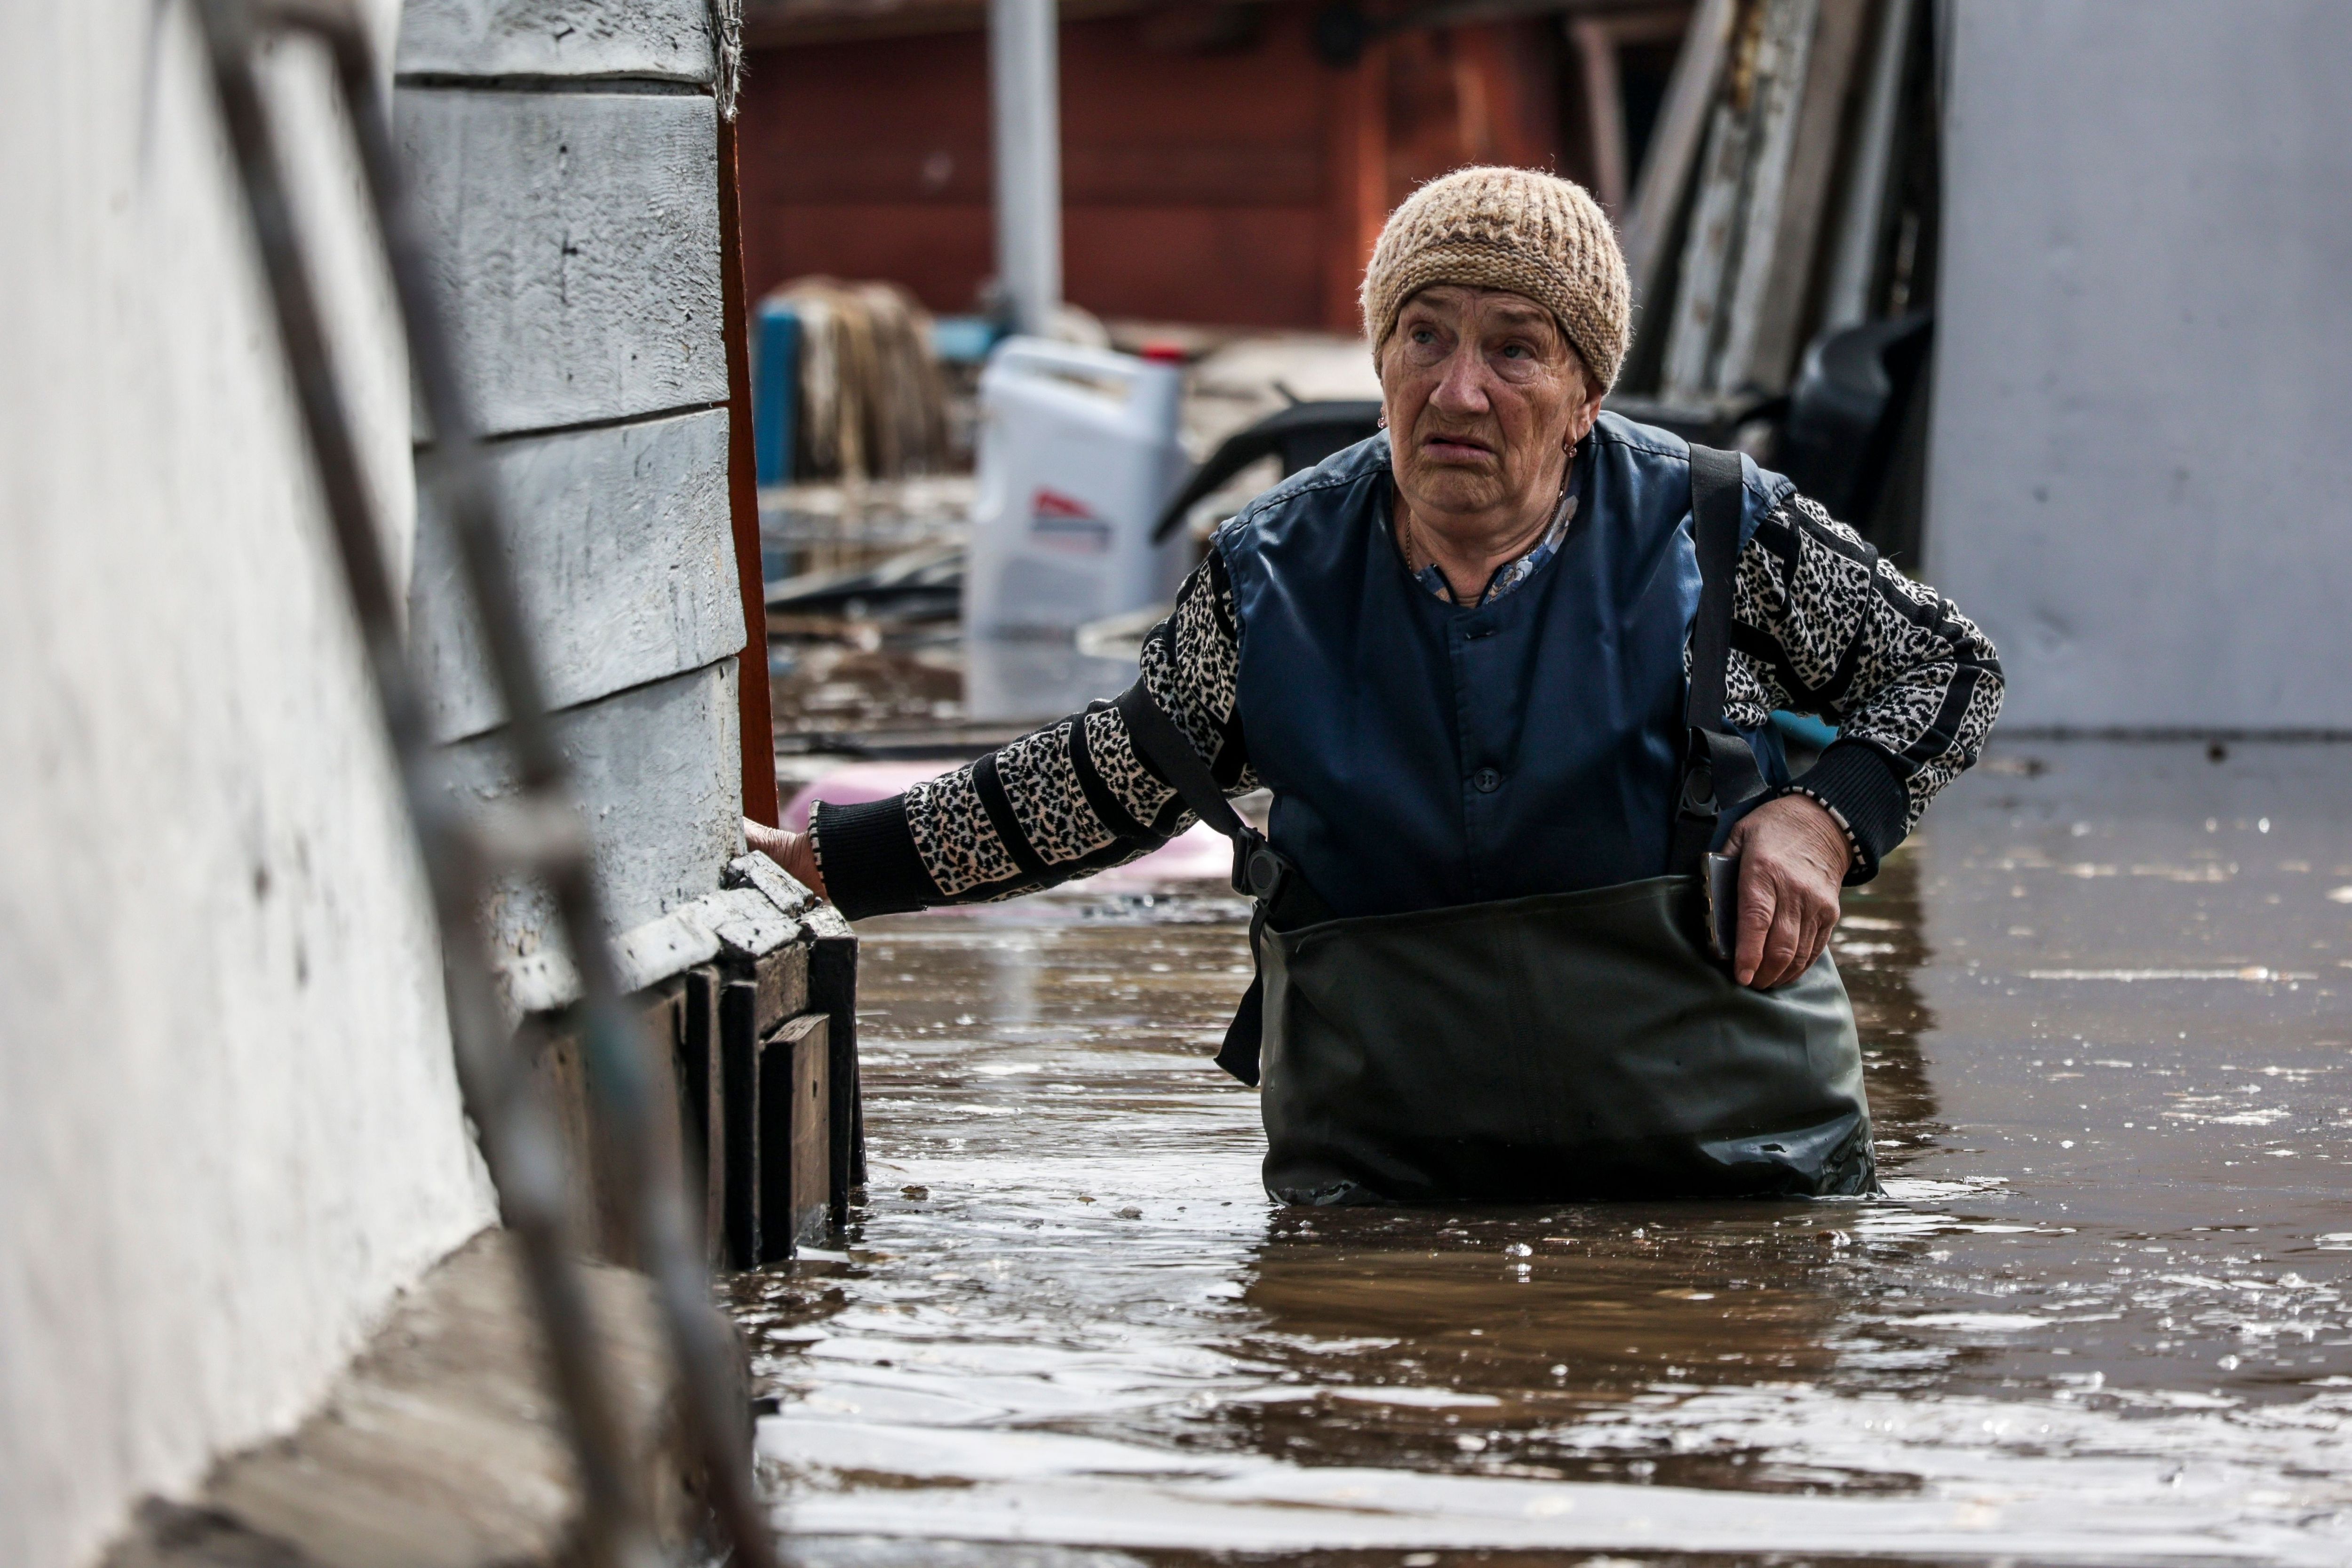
[[1719, 767], [1261, 872]]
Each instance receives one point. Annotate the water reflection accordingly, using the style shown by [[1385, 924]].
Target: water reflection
[[1881, 943], [1464, 1342], [2099, 1316]]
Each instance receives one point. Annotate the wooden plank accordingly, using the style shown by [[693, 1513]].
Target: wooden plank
[[560, 1066], [574, 238], [1784, 313], [795, 1158], [1675, 144], [1707, 255], [782, 980], [1782, 57], [655, 776], [621, 543], [813, 1203], [1356, 156], [662, 1020], [1862, 223], [601, 1204], [657, 40], [706, 1122], [1604, 110], [738, 1065], [832, 990]]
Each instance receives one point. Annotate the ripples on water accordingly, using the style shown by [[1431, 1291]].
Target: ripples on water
[[2099, 1315]]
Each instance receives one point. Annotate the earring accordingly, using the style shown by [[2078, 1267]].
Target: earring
[[1383, 423]]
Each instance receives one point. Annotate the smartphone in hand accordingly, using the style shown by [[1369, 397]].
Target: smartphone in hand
[[1721, 875]]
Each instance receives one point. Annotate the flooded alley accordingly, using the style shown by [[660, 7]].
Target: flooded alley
[[2099, 1314]]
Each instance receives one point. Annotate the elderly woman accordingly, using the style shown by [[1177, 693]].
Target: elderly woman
[[1506, 669]]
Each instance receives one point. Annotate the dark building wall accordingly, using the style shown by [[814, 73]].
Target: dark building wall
[[1233, 181]]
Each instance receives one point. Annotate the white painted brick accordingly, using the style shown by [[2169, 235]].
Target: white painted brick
[[659, 779], [622, 545], [574, 238], [667, 40]]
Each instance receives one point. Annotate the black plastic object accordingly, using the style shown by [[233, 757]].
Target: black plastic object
[[1301, 436], [1340, 32], [1846, 413], [921, 585]]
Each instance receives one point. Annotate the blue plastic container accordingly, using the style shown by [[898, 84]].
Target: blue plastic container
[[775, 391]]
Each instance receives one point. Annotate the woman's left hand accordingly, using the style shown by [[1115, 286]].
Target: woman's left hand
[[1792, 861]]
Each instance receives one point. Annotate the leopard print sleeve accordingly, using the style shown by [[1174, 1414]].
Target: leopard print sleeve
[[1075, 798], [1821, 624]]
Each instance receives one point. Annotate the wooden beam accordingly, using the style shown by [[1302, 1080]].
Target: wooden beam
[[1674, 146], [699, 1061], [1782, 74], [1784, 313], [1604, 110], [1355, 192], [739, 1066], [1853, 264], [795, 1145], [756, 730]]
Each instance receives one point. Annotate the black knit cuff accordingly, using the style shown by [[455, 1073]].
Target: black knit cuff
[[1858, 786], [866, 852]]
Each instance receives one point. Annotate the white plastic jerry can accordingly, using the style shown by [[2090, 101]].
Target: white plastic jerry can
[[1078, 454]]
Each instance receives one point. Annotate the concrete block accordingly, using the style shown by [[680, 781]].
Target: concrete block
[[783, 889], [442, 1444], [620, 539], [747, 925], [657, 40], [574, 238], [545, 980], [656, 772], [652, 953]]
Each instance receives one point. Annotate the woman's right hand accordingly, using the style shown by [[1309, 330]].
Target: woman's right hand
[[795, 852]]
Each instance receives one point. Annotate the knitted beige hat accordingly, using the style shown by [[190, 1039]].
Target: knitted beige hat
[[1532, 233]]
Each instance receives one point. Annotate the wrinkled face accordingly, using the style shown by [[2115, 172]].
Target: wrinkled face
[[1483, 391]]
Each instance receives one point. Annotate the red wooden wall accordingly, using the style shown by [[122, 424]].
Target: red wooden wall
[[1237, 185]]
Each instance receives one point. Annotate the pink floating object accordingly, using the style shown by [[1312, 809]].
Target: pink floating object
[[858, 784], [1200, 854]]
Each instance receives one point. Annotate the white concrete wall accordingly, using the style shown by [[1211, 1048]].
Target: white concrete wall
[[2142, 479], [228, 1125], [566, 157]]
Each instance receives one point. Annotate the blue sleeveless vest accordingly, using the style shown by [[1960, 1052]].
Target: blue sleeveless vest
[[1422, 755]]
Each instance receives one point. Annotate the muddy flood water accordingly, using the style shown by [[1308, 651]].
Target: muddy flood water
[[2100, 1315]]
